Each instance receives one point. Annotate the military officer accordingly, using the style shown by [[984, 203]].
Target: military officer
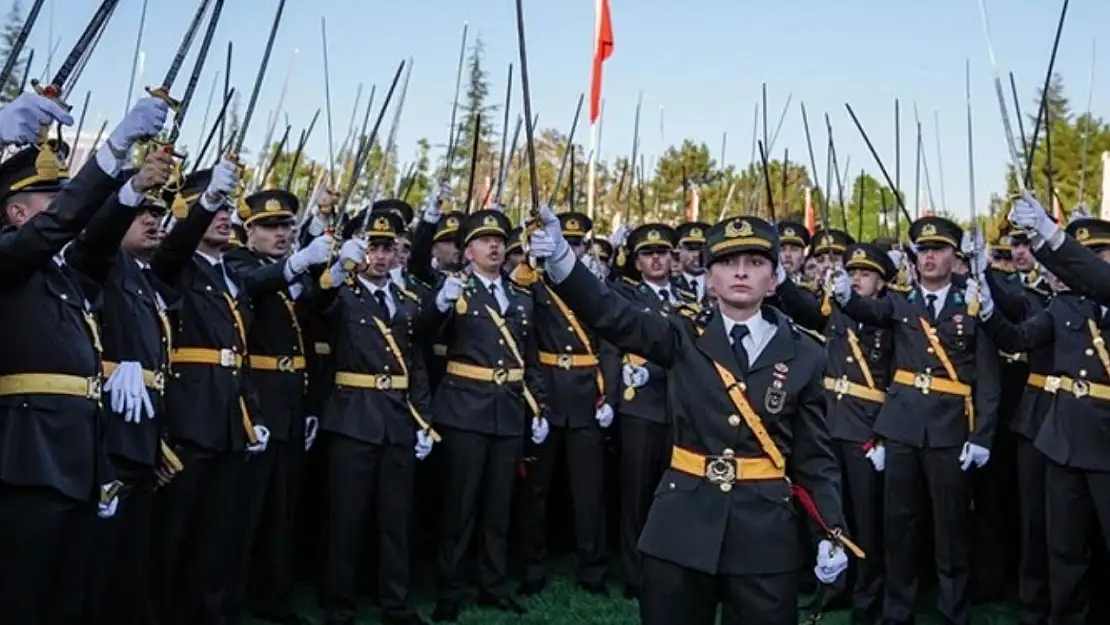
[[793, 241], [275, 280], [1071, 437], [938, 420], [690, 286], [721, 526], [569, 354], [55, 476], [211, 411], [492, 394], [641, 399], [371, 462], [827, 248], [603, 249], [514, 251], [115, 251]]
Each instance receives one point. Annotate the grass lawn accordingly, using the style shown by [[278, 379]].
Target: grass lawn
[[563, 604]]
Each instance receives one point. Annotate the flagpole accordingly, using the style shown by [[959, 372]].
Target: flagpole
[[591, 179]]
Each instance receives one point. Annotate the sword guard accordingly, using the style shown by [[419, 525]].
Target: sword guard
[[163, 94], [51, 91], [168, 148]]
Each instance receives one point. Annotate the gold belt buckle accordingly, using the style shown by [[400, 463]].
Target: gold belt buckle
[[841, 386], [92, 389], [285, 363], [923, 382], [383, 382], [227, 358], [1080, 388], [158, 382], [500, 376], [565, 361], [1052, 383]]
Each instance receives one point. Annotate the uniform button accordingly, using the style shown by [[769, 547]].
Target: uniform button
[[1082, 373], [929, 350], [671, 485], [734, 420], [1089, 352], [1067, 324], [500, 341], [570, 329], [929, 370], [63, 296], [742, 386], [207, 288], [234, 373], [569, 348], [386, 368], [362, 321], [726, 487], [728, 453], [848, 359], [500, 363]]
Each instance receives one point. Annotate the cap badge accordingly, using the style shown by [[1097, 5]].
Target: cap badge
[[696, 232], [381, 224], [272, 206], [573, 225], [653, 236], [928, 230], [859, 254], [739, 228], [826, 241], [1082, 234], [489, 221], [789, 232], [452, 222]]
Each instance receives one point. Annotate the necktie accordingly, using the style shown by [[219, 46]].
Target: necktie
[[380, 296], [738, 332], [221, 277], [664, 295], [931, 302], [493, 294]]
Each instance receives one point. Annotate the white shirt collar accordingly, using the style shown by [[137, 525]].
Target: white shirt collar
[[486, 282], [758, 327], [373, 288], [212, 260], [942, 294]]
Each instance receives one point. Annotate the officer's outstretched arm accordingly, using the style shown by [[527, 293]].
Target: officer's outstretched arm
[[614, 318], [1009, 297], [812, 462], [801, 305], [988, 389], [1077, 266], [872, 311], [1036, 331], [259, 279], [176, 250]]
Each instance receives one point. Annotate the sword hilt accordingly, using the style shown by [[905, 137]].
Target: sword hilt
[[51, 91], [168, 148], [163, 94]]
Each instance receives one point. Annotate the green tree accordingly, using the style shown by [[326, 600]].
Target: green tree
[[13, 23], [476, 117]]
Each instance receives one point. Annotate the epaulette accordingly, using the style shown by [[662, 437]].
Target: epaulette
[[817, 336], [409, 294], [629, 281], [689, 295], [689, 310], [418, 282], [521, 289], [703, 316], [900, 288]]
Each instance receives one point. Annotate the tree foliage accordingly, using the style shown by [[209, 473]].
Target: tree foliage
[[13, 23]]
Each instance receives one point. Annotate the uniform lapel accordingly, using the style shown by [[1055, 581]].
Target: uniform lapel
[[953, 303], [715, 344], [781, 347]]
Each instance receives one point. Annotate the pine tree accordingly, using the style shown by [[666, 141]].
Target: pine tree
[[13, 23], [474, 104]]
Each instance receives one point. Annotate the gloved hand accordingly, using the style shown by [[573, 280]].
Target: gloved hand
[[146, 119], [424, 444], [449, 293], [877, 456], [634, 375], [831, 562], [107, 510], [604, 415], [1029, 215], [262, 435], [128, 393], [315, 253], [539, 430], [973, 454], [22, 119], [1081, 211], [430, 213], [617, 238], [554, 230], [895, 256], [311, 429], [841, 285], [541, 245], [225, 179], [595, 265], [978, 288], [780, 274], [353, 250]]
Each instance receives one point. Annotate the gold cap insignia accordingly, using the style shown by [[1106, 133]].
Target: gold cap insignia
[[653, 236], [696, 232], [928, 230], [826, 241], [180, 206], [452, 222], [48, 164], [573, 225], [1082, 234], [739, 228], [789, 232], [381, 224], [859, 254], [272, 206], [490, 221]]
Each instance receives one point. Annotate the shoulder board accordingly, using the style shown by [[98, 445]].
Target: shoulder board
[[417, 281], [409, 294], [629, 281], [689, 310], [817, 336], [690, 295], [899, 288], [523, 290]]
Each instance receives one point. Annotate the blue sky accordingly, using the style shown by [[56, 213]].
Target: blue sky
[[702, 61]]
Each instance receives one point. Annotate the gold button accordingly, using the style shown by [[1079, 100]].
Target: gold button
[[742, 386], [386, 367], [734, 420], [726, 487], [728, 453]]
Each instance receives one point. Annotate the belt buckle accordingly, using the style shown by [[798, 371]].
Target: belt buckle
[[565, 361], [500, 376], [1052, 383], [383, 382], [285, 363], [1080, 388], [92, 388], [227, 358], [158, 382], [841, 386], [721, 470], [923, 382]]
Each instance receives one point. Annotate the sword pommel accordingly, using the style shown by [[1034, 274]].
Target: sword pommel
[[163, 94]]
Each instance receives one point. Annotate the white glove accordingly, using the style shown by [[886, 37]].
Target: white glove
[[424, 444], [539, 430], [604, 415], [831, 562], [311, 428], [353, 250], [107, 510], [430, 213], [128, 393], [23, 117], [973, 454], [895, 257], [634, 375], [978, 254], [554, 230], [877, 456], [595, 265], [541, 245], [1028, 214], [979, 288], [262, 435], [316, 253], [841, 285], [225, 179], [1081, 211], [618, 237], [145, 120], [780, 274], [449, 293]]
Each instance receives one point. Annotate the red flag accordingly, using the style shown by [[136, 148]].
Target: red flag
[[603, 47], [1057, 210], [811, 219]]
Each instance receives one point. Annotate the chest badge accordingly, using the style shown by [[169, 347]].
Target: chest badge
[[460, 306], [775, 399]]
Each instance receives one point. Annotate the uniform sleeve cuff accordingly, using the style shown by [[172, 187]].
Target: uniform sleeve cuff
[[128, 196]]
